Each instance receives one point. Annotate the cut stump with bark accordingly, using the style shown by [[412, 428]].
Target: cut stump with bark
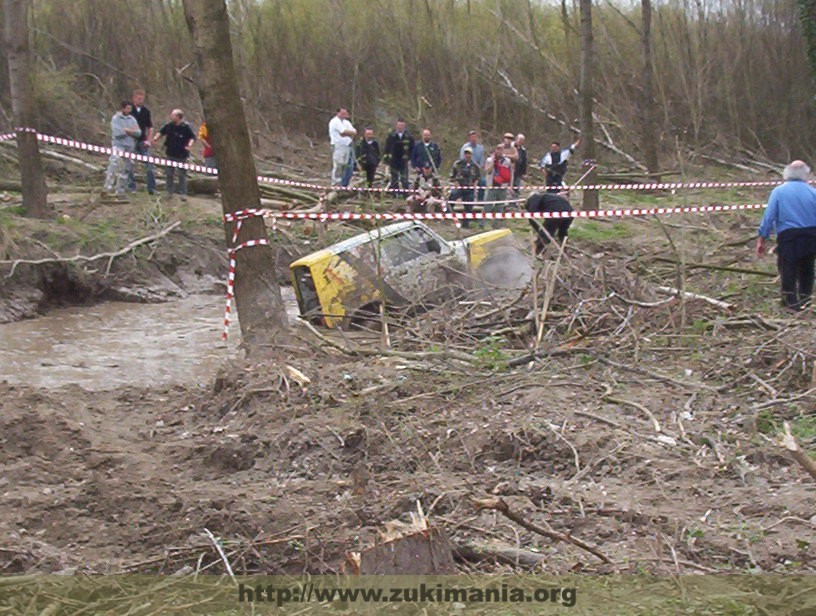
[[426, 552]]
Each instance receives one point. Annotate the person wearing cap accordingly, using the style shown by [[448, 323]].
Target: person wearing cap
[[427, 191], [554, 164], [478, 152], [466, 176]]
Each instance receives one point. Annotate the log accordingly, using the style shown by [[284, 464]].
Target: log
[[202, 186], [427, 552], [505, 554], [789, 443]]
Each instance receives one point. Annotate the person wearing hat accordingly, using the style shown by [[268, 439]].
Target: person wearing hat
[[467, 176], [427, 191], [478, 152]]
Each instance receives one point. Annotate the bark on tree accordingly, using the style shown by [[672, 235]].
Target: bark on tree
[[32, 178], [587, 92], [261, 311], [807, 18], [649, 107]]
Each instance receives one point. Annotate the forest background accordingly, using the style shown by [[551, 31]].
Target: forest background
[[731, 77]]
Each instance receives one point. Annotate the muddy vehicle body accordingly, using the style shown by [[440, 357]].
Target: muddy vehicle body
[[406, 264]]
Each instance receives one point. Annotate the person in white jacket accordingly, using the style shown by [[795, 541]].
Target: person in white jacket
[[341, 136], [124, 133]]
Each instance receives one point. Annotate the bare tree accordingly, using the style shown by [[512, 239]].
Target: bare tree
[[807, 17], [261, 311], [32, 178], [587, 91], [648, 109]]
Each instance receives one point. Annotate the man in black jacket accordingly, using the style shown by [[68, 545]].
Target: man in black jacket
[[142, 115], [398, 148], [179, 138], [555, 227], [368, 155], [520, 169]]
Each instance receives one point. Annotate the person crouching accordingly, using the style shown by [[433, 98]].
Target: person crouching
[[547, 228], [427, 193]]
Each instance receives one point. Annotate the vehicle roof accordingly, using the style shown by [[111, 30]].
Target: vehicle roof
[[354, 241]]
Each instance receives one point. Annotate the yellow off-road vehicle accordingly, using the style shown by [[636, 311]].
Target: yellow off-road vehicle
[[408, 265]]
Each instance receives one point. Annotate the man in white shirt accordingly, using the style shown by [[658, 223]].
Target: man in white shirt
[[341, 136]]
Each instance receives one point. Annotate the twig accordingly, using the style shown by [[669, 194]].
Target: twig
[[609, 398], [676, 292], [82, 258], [499, 504], [797, 453], [221, 554]]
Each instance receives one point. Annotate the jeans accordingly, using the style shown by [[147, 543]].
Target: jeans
[[495, 194], [171, 177], [142, 149], [120, 169], [517, 183], [341, 165], [399, 176], [797, 280], [466, 195]]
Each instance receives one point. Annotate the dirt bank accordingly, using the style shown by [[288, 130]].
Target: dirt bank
[[188, 259]]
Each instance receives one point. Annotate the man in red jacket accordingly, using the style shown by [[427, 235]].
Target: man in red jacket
[[499, 172]]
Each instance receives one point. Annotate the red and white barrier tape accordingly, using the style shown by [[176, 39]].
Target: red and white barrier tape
[[98, 149], [231, 275], [398, 216]]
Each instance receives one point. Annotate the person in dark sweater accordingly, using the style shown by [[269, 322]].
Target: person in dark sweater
[[142, 115], [399, 145], [520, 169], [368, 155], [178, 139], [791, 212], [547, 228]]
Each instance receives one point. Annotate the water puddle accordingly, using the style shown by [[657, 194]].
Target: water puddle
[[112, 344]]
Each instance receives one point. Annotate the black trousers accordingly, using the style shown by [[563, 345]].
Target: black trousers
[[797, 280], [371, 172], [554, 180]]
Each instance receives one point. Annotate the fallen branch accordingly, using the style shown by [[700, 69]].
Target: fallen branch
[[82, 258], [507, 555], [689, 295], [607, 397], [221, 554], [719, 268], [796, 452], [500, 505]]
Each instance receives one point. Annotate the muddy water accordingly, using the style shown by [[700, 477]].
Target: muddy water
[[113, 344]]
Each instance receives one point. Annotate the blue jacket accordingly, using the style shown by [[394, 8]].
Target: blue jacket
[[790, 206]]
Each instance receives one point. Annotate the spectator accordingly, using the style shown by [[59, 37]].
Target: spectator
[[341, 136], [520, 169], [426, 151], [125, 132], [554, 164], [427, 191], [478, 158], [207, 149], [368, 155], [476, 148], [178, 139], [142, 115], [549, 227], [791, 213], [499, 170], [466, 175], [399, 145]]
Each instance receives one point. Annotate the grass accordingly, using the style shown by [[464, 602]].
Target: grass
[[596, 231]]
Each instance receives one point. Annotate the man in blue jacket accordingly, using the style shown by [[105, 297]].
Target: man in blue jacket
[[791, 212]]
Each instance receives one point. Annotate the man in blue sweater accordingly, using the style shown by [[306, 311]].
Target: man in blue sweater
[[791, 212]]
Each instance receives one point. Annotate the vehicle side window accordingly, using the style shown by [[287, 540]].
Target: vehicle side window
[[409, 245]]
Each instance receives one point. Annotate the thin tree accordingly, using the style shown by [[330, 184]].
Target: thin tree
[[807, 17], [587, 91], [648, 108], [261, 311], [23, 105]]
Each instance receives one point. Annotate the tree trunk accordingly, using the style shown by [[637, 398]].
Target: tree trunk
[[807, 17], [587, 92], [261, 311], [35, 192], [649, 106]]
